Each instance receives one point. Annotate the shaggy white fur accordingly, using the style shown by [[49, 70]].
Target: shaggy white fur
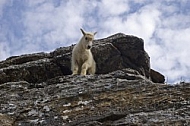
[[82, 59]]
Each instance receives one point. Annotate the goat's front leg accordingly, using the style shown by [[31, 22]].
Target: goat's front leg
[[84, 68]]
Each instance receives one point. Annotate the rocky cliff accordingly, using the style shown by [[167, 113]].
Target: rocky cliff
[[37, 89]]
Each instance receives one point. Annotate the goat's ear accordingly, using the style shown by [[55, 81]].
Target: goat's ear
[[95, 33], [83, 32]]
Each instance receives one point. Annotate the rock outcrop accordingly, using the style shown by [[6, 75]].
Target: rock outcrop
[[113, 53], [37, 89]]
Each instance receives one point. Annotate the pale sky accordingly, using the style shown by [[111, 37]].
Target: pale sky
[[30, 26]]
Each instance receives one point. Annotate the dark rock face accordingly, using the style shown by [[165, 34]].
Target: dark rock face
[[121, 51], [156, 76], [37, 89]]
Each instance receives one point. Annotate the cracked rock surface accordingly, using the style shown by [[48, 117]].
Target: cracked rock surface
[[117, 98]]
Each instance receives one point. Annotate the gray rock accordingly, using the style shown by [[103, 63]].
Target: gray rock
[[37, 89], [122, 97]]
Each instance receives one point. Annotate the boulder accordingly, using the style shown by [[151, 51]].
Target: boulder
[[121, 51], [156, 76]]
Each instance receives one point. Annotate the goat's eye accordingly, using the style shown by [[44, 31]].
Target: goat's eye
[[86, 38]]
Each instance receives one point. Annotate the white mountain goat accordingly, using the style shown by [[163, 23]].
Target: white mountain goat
[[82, 59]]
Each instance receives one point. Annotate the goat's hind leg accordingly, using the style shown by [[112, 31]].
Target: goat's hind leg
[[75, 69], [92, 70]]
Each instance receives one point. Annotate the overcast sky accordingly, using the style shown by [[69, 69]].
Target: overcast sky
[[28, 26]]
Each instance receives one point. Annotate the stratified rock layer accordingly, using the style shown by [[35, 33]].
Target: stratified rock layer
[[119, 98]]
